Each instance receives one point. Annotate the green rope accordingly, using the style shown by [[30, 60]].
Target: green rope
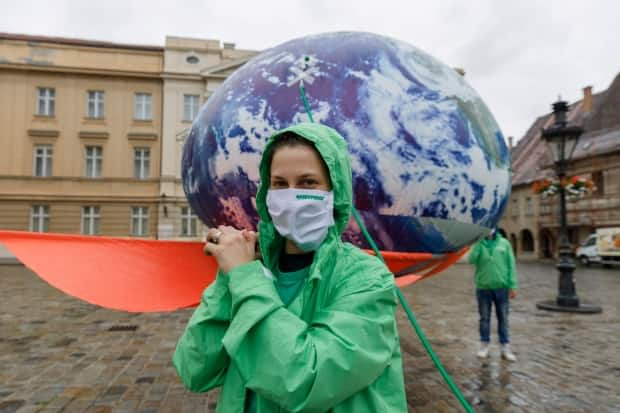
[[302, 91], [399, 294], [414, 322]]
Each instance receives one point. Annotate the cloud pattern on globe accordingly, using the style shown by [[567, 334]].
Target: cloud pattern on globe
[[430, 165]]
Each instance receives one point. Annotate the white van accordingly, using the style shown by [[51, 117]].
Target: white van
[[601, 247]]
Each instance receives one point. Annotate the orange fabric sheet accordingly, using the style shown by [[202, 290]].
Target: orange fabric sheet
[[118, 273], [426, 264], [147, 275]]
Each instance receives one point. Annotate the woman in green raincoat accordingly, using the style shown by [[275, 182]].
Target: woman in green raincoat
[[310, 326]]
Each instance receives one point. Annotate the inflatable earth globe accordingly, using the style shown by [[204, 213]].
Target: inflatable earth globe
[[430, 165]]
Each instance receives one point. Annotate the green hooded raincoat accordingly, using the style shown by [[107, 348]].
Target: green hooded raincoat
[[334, 348], [495, 264]]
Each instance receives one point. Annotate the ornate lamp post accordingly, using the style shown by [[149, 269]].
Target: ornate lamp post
[[562, 140]]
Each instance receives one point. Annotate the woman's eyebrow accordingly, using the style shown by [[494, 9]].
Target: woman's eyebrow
[[307, 175]]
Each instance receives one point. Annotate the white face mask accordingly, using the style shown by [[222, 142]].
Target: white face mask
[[301, 215]]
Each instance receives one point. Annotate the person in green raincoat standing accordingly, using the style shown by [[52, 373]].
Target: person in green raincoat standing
[[310, 326], [496, 284]]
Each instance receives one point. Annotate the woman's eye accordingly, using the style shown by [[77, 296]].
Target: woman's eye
[[278, 184], [309, 182]]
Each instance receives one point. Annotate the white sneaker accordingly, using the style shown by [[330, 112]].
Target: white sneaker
[[484, 350], [507, 353]]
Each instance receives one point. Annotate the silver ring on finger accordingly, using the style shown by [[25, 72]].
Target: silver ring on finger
[[216, 237]]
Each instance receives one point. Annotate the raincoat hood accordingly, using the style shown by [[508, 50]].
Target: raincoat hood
[[334, 150]]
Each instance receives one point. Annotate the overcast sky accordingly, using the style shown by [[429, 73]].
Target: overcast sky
[[519, 55]]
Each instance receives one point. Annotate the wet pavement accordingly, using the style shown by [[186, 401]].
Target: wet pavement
[[58, 354]]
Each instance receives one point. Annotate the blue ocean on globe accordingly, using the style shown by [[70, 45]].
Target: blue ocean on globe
[[430, 165]]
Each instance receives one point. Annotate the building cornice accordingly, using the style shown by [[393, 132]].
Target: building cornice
[[71, 199], [80, 71], [82, 179], [216, 71], [32, 40], [181, 76], [93, 134], [43, 133], [142, 136]]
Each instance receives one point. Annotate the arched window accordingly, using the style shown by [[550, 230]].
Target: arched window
[[547, 243], [527, 241]]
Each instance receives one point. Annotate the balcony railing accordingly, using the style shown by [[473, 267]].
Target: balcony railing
[[586, 211]]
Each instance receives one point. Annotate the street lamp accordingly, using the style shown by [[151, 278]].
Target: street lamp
[[562, 140]]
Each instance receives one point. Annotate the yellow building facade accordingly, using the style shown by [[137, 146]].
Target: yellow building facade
[[80, 136], [193, 70]]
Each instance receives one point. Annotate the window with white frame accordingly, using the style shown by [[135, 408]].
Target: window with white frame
[[529, 206], [93, 161], [95, 104], [139, 221], [191, 104], [189, 222], [141, 163], [46, 101], [515, 208], [90, 220], [39, 218], [143, 106], [42, 163]]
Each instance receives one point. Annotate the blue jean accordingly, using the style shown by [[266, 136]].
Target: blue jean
[[500, 298]]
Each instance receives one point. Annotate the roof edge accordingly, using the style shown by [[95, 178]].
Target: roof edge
[[77, 42]]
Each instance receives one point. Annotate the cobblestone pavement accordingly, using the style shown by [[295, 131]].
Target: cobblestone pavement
[[57, 354]]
